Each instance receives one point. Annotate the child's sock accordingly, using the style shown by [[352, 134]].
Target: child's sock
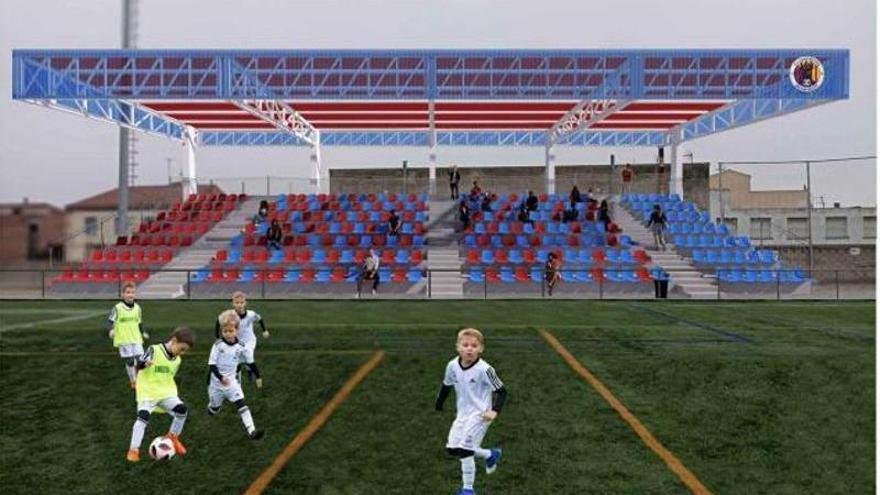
[[247, 419], [137, 434], [178, 422], [468, 472], [132, 372]]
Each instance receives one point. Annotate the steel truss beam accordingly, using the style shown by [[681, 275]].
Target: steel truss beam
[[118, 112], [282, 116], [421, 138]]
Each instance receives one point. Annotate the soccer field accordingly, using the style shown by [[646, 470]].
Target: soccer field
[[748, 397]]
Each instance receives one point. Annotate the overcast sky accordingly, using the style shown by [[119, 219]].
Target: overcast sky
[[59, 158]]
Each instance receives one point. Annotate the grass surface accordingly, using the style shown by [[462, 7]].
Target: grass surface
[[751, 397]]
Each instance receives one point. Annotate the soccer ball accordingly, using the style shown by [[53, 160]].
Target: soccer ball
[[161, 448]]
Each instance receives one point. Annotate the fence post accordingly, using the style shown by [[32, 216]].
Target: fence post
[[263, 284], [429, 283], [43, 284], [837, 283], [601, 287], [485, 286], [188, 284], [778, 298], [718, 284]]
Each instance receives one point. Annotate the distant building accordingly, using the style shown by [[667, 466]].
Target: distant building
[[843, 238], [27, 230], [91, 222]]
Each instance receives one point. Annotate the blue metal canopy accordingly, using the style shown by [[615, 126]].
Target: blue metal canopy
[[397, 97]]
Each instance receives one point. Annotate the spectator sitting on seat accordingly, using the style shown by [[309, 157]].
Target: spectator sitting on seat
[[523, 215], [370, 271], [464, 214], [487, 203], [551, 271], [393, 223], [657, 224], [262, 213], [575, 196], [274, 236], [590, 197], [604, 216], [532, 202], [570, 215], [475, 192]]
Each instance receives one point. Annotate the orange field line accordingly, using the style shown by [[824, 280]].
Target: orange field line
[[675, 465], [266, 477]]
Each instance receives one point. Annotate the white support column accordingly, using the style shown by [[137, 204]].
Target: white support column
[[190, 184], [432, 150], [550, 171], [676, 173], [321, 186]]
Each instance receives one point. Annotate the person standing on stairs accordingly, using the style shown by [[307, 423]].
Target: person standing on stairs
[[657, 224], [454, 178]]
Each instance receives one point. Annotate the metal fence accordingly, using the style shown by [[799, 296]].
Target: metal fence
[[821, 285]]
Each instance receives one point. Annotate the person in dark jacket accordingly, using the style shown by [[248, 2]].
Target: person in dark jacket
[[657, 224], [274, 236], [454, 178]]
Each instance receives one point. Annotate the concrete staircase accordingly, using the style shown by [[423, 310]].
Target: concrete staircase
[[682, 272], [442, 251], [171, 285]]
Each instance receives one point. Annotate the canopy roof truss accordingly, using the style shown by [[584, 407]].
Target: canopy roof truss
[[427, 97]]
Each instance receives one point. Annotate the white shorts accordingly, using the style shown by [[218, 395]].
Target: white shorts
[[468, 432], [166, 404], [130, 350], [249, 347], [217, 392]]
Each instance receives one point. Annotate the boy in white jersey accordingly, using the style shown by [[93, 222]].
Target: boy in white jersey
[[226, 354], [246, 334], [475, 382]]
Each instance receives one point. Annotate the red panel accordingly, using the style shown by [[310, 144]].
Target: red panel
[[679, 106], [500, 125], [652, 116], [234, 125], [375, 125], [208, 117], [630, 125], [488, 106], [507, 117], [358, 106], [195, 106], [382, 117]]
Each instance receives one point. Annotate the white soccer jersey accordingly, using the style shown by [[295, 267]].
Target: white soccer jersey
[[246, 326], [473, 386], [226, 357]]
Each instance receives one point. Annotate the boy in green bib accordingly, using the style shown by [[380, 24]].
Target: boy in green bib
[[156, 388], [125, 327]]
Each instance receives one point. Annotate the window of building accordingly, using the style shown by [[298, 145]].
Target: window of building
[[760, 228], [835, 228], [796, 228], [91, 226], [732, 224], [869, 228]]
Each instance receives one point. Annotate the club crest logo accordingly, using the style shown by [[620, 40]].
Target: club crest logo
[[807, 74]]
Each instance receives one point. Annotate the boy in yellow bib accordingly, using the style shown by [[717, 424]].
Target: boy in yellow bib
[[125, 327], [156, 369]]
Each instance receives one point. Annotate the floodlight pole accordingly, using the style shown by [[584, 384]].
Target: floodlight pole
[[190, 185]]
